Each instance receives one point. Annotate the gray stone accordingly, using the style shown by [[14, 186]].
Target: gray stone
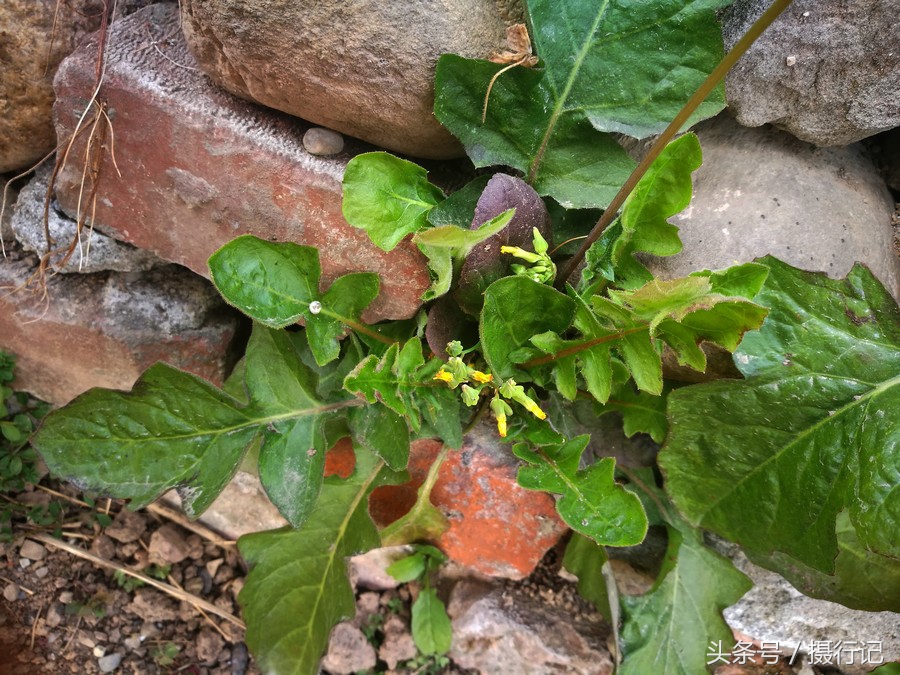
[[35, 36], [32, 550], [242, 508], [505, 631], [774, 611], [109, 663], [365, 69], [93, 251], [761, 191], [398, 642], [828, 71], [348, 651], [368, 570], [324, 142]]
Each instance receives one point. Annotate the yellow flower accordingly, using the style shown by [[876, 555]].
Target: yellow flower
[[501, 425], [443, 376], [533, 408], [481, 378], [501, 409]]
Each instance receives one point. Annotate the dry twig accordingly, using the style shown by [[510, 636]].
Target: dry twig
[[198, 603]]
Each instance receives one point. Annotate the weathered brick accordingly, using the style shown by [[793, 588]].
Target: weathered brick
[[496, 527], [104, 329], [197, 166]]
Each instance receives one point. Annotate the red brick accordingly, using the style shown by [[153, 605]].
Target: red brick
[[496, 527], [104, 329], [199, 166]]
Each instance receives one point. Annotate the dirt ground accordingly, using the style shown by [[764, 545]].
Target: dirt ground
[[61, 613]]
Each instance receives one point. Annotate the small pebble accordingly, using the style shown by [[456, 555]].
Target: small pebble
[[11, 592], [133, 642], [323, 142], [32, 550], [240, 659], [99, 651], [109, 662], [42, 572]]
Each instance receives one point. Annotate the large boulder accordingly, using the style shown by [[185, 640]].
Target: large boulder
[[363, 68], [828, 71], [35, 35]]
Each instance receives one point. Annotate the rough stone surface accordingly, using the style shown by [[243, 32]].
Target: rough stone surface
[[363, 68], [323, 142], [127, 527], [153, 605], [348, 651], [94, 251], [828, 71], [775, 611], [209, 644], [496, 527], [398, 643], [760, 191], [200, 167], [30, 51], [505, 631], [242, 508], [369, 569], [167, 546], [105, 329]]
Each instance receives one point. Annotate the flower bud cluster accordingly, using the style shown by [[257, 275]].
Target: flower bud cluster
[[541, 267], [472, 383]]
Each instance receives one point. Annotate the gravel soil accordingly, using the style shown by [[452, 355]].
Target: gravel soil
[[61, 613]]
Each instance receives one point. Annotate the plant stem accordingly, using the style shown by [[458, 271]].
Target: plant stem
[[643, 487], [675, 125], [360, 327], [574, 349]]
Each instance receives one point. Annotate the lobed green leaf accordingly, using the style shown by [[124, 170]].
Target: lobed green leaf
[[663, 191], [770, 461], [591, 502], [670, 628]]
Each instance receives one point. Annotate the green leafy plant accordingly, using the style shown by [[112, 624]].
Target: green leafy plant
[[430, 624], [165, 653], [19, 415], [522, 328]]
